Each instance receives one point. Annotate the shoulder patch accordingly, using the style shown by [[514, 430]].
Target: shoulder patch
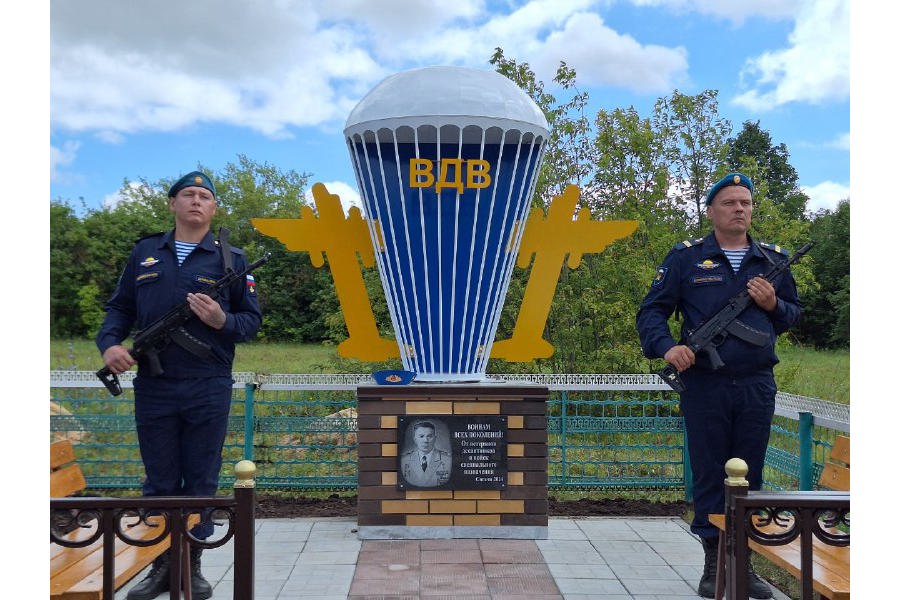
[[774, 248], [687, 244]]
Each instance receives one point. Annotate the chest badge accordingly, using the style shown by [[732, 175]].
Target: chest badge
[[708, 265], [149, 261]]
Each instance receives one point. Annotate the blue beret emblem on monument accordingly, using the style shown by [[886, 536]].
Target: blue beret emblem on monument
[[446, 159]]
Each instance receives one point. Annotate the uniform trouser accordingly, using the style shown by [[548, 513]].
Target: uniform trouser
[[181, 426], [725, 417]]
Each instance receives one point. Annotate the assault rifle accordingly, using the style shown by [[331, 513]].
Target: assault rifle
[[725, 322], [151, 340]]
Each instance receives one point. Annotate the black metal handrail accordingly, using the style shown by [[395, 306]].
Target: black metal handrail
[[777, 519], [111, 518]]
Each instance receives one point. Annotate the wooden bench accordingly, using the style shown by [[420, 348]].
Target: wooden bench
[[829, 564], [109, 562], [77, 573]]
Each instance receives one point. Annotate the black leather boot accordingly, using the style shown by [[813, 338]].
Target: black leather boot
[[155, 583], [200, 587], [707, 587], [756, 587]]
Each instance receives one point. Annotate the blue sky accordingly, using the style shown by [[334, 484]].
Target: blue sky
[[151, 89]]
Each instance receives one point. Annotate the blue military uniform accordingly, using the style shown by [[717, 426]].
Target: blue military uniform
[[728, 412], [181, 415]]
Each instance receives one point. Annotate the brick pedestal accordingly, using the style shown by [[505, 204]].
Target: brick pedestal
[[519, 511]]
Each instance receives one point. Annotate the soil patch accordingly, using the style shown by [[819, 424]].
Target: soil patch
[[268, 507]]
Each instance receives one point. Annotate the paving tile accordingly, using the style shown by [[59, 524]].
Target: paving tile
[[451, 556], [383, 597], [445, 586], [594, 558], [502, 596], [522, 585], [659, 587], [558, 545], [517, 570], [384, 587], [591, 586], [453, 544], [586, 571], [455, 596], [451, 570], [512, 556]]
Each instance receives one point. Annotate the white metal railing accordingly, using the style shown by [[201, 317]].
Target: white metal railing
[[827, 414]]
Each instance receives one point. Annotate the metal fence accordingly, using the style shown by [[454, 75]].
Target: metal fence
[[605, 431]]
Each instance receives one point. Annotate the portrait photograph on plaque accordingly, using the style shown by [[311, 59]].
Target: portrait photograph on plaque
[[452, 452]]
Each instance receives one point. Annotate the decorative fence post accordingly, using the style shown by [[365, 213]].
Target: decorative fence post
[[244, 534]]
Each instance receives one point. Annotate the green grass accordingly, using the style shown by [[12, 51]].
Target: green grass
[[823, 374], [254, 357], [803, 371]]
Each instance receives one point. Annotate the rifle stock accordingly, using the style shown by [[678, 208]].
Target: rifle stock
[[715, 329], [151, 340]]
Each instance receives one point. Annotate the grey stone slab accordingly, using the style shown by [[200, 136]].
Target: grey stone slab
[[581, 571], [590, 586], [593, 557], [327, 558], [609, 532], [660, 587], [603, 546], [403, 532], [629, 571], [558, 545], [632, 558], [336, 545], [598, 597]]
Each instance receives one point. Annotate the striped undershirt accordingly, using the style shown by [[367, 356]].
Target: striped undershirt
[[182, 249], [735, 257]]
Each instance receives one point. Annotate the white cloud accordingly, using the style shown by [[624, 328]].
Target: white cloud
[[60, 157], [272, 66], [736, 11], [135, 189], [601, 56], [841, 142], [825, 195], [816, 66]]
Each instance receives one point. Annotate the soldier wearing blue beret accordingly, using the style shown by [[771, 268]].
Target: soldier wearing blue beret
[[727, 412], [193, 179], [181, 415]]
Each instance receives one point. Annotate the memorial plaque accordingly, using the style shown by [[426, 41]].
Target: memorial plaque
[[452, 452]]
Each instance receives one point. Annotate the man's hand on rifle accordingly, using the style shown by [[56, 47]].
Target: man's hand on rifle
[[207, 310], [681, 357], [763, 293], [118, 359]]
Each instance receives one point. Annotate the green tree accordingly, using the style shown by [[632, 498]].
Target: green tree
[[694, 136], [781, 177], [68, 252], [569, 156], [88, 252], [826, 322]]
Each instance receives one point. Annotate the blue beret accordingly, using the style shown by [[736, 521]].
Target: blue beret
[[730, 179], [194, 178]]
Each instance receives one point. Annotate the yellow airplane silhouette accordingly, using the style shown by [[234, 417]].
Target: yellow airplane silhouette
[[340, 239], [549, 240]]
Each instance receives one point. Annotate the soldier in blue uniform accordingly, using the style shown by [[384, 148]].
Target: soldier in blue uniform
[[181, 416], [727, 412]]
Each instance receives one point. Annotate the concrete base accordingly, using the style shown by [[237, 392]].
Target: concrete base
[[406, 532]]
